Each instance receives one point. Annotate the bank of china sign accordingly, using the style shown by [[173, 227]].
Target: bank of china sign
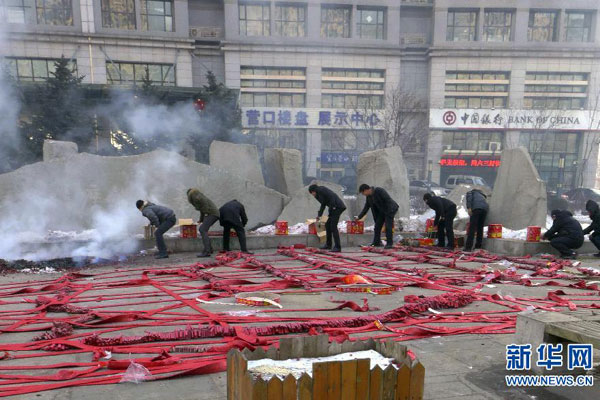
[[514, 119], [310, 118]]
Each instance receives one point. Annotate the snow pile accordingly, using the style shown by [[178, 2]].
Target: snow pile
[[416, 223], [267, 368]]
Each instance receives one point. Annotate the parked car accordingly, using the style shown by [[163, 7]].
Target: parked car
[[578, 197], [555, 201], [472, 180], [418, 187]]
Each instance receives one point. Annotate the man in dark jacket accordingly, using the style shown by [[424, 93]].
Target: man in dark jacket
[[445, 212], [565, 234], [336, 206], [384, 209], [233, 216], [594, 211], [209, 214], [477, 207], [162, 218]]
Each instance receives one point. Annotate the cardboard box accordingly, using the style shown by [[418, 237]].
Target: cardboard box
[[318, 228]]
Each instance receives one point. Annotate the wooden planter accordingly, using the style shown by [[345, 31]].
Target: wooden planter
[[347, 380]]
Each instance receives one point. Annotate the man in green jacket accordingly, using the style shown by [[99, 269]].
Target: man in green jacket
[[209, 214]]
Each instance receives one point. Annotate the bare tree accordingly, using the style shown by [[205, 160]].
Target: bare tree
[[591, 140]]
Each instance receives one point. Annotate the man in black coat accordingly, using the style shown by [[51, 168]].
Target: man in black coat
[[384, 209], [336, 206], [162, 218], [233, 216], [445, 212], [594, 211], [565, 234], [477, 207]]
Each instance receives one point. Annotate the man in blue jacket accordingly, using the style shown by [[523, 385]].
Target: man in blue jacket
[[162, 218], [384, 209]]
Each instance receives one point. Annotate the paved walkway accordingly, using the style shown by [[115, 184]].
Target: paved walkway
[[467, 366]]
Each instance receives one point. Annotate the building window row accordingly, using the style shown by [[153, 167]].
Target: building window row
[[473, 140], [34, 69], [126, 73], [352, 88], [543, 90], [272, 87], [290, 20], [156, 15], [498, 25]]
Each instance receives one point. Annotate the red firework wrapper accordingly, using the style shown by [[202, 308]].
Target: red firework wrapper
[[258, 299], [366, 288]]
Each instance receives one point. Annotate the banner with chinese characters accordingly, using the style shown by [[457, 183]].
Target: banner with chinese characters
[[339, 157], [469, 161], [310, 118], [514, 119]]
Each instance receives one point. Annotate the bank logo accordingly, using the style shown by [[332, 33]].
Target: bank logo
[[449, 117]]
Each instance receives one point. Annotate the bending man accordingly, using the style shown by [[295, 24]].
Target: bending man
[[445, 212], [162, 218], [209, 214], [233, 216], [384, 208], [594, 211], [477, 207], [336, 206]]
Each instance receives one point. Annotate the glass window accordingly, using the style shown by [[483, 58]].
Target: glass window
[[497, 26], [370, 23], [462, 26], [335, 21], [119, 14], [255, 19], [54, 12], [34, 69], [578, 26], [157, 15], [123, 73], [13, 11], [290, 20], [542, 26]]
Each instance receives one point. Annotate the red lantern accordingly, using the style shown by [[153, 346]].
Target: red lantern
[[199, 104]]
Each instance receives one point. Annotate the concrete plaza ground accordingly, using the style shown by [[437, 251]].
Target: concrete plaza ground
[[464, 366]]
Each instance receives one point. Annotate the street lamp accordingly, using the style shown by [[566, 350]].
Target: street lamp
[[429, 172], [561, 173]]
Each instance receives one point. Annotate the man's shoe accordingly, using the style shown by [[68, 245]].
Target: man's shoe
[[465, 250], [376, 245], [336, 250], [247, 252], [569, 256], [160, 256], [389, 246], [203, 255], [325, 247], [597, 255]]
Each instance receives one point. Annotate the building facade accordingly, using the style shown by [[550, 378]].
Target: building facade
[[470, 77]]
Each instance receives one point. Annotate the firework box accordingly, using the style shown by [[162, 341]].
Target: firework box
[[187, 228]]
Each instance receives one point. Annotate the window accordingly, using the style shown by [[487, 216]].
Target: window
[[335, 21], [278, 138], [370, 23], [255, 19], [472, 140], [555, 90], [352, 88], [157, 15], [497, 26], [476, 89], [272, 86], [124, 73], [13, 11], [578, 26], [34, 69], [290, 20], [54, 12], [462, 26], [542, 26], [546, 149], [118, 14]]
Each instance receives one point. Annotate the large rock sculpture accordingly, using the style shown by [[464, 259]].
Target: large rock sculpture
[[283, 170], [303, 205], [385, 168], [519, 196], [55, 150], [87, 191], [239, 159]]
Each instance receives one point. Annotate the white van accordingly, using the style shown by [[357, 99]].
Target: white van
[[456, 180]]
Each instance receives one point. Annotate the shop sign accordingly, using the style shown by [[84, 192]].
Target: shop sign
[[310, 118], [472, 162]]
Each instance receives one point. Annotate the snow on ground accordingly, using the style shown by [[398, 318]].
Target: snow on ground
[[267, 368]]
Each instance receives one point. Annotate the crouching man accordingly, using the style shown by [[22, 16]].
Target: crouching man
[[162, 218], [209, 214], [566, 234], [233, 216], [384, 209]]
